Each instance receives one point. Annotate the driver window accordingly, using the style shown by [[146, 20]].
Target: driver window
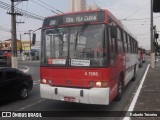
[[112, 40]]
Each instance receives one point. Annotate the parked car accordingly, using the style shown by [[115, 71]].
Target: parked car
[[5, 59], [34, 54], [14, 83]]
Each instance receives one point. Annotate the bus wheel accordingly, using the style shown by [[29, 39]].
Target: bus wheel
[[120, 89], [135, 74]]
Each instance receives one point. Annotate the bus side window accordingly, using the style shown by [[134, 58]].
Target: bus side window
[[129, 44], [125, 42], [112, 44], [119, 40]]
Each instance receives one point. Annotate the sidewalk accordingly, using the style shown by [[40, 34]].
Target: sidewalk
[[149, 98]]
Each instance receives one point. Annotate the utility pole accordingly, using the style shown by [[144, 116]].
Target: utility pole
[[152, 40], [14, 61]]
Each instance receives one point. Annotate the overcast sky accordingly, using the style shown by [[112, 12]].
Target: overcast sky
[[128, 11]]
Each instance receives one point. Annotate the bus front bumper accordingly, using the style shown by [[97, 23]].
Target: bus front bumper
[[99, 96]]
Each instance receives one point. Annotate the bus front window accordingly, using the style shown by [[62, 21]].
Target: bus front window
[[76, 46]]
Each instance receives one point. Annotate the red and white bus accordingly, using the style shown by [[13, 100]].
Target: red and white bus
[[144, 55], [87, 57], [141, 56]]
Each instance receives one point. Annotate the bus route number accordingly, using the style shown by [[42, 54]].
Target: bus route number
[[91, 74]]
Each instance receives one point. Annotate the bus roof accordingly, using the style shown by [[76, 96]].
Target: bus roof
[[107, 12], [91, 11]]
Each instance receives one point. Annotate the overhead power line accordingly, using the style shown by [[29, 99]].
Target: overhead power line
[[44, 7], [18, 3], [95, 3], [137, 19], [51, 6], [4, 29], [142, 34], [135, 12], [23, 12]]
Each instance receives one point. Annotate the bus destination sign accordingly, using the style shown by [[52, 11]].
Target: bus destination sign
[[74, 19], [78, 18]]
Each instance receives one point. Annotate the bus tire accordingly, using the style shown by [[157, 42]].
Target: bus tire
[[135, 74], [120, 89]]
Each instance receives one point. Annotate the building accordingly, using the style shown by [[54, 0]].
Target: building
[[26, 45], [6, 45], [77, 5], [93, 7]]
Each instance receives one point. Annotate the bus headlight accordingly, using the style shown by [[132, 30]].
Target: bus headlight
[[44, 81], [98, 84], [101, 84]]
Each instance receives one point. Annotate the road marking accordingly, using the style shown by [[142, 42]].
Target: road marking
[[30, 105], [25, 70], [132, 105]]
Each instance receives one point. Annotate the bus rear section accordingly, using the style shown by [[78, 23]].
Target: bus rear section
[[144, 55], [86, 57], [141, 56]]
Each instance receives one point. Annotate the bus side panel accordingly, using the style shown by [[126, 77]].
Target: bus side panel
[[131, 61], [116, 70]]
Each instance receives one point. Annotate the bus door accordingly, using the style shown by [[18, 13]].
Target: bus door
[[113, 60]]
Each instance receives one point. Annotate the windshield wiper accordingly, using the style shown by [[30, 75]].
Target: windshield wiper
[[84, 27]]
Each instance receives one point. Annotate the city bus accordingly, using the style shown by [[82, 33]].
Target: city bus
[[144, 55], [140, 56], [86, 57]]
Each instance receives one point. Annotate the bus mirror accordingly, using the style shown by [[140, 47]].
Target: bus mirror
[[114, 31]]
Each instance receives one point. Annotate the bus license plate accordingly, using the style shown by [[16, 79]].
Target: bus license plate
[[70, 99]]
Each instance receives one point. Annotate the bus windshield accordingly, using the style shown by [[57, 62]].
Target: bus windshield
[[83, 45]]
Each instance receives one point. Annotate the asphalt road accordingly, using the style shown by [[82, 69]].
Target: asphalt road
[[36, 103]]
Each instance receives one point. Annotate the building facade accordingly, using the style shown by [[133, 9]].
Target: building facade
[[77, 5], [6, 44]]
